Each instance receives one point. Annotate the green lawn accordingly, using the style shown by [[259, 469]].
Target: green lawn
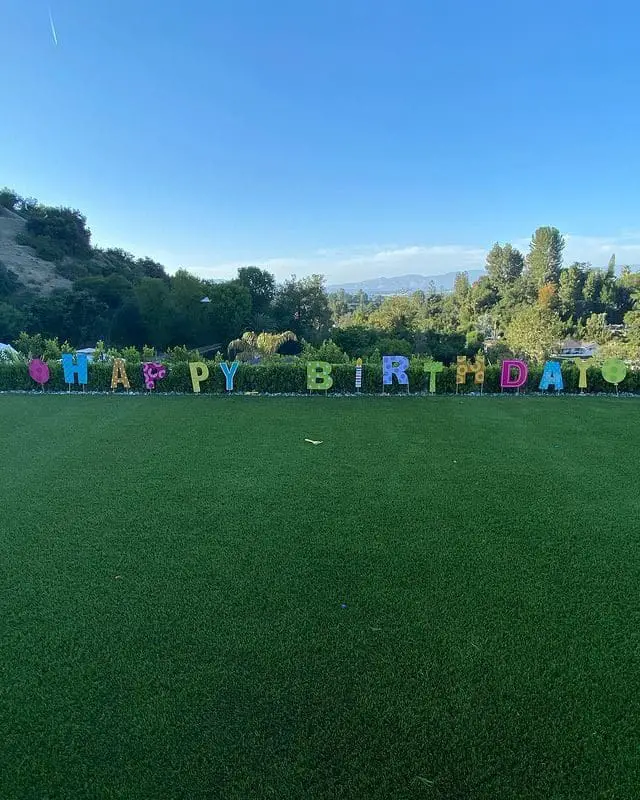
[[174, 571]]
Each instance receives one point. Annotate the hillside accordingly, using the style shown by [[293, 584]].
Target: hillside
[[34, 273]]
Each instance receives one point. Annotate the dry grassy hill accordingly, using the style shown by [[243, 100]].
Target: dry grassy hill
[[32, 271]]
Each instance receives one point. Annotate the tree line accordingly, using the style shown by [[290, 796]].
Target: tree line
[[523, 305], [123, 300]]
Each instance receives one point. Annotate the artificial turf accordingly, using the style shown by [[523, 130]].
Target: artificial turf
[[440, 601]]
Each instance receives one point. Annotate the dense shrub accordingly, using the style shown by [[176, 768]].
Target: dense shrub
[[46, 249], [9, 199]]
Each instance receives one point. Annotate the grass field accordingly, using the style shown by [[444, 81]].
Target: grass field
[[174, 571]]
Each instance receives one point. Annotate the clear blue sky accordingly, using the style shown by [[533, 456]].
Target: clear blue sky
[[353, 137]]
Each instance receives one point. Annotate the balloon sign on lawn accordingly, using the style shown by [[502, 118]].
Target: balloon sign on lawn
[[152, 373], [39, 371], [513, 373]]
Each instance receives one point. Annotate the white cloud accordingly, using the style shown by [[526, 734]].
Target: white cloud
[[598, 249], [341, 264], [349, 264]]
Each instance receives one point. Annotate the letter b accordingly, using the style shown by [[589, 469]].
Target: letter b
[[319, 375]]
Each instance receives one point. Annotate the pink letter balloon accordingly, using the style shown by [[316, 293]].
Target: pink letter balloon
[[39, 371]]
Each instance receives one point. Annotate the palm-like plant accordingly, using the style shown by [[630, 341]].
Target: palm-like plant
[[252, 345]]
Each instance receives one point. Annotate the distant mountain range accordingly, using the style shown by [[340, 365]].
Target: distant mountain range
[[405, 284]]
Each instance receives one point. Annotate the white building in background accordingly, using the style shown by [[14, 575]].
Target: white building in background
[[574, 349], [87, 351]]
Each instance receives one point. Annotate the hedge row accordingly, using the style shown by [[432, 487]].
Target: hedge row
[[292, 378]]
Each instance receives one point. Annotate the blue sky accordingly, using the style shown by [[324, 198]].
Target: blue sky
[[355, 138]]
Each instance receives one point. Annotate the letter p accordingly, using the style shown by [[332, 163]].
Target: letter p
[[199, 373]]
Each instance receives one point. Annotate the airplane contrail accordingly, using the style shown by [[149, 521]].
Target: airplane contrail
[[53, 29]]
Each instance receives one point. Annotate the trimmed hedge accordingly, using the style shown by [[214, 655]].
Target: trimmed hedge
[[292, 379]]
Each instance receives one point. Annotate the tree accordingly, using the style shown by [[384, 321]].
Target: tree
[[148, 268], [113, 290], [395, 315], [64, 227], [570, 290], [9, 199], [504, 265], [328, 351], [533, 332], [30, 346], [591, 292], [483, 295], [261, 286], [596, 328], [632, 323], [9, 282], [545, 256], [127, 326], [12, 321], [461, 287], [256, 345], [355, 340], [154, 303], [547, 296], [303, 307], [229, 311], [339, 304], [191, 319], [440, 346]]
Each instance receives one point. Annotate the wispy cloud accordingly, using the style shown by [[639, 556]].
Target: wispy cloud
[[341, 264], [347, 264], [597, 249]]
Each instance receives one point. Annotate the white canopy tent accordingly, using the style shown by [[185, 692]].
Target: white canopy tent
[[6, 351]]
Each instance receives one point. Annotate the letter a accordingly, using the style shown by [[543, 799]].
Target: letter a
[[119, 374], [551, 376]]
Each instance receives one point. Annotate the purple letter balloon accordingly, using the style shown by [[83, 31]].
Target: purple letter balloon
[[152, 373]]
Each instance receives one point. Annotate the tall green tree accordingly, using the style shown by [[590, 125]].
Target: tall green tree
[[544, 260], [504, 265], [395, 315], [339, 304], [484, 295], [302, 306], [156, 312], [591, 292], [261, 285], [570, 288], [595, 328], [534, 332]]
